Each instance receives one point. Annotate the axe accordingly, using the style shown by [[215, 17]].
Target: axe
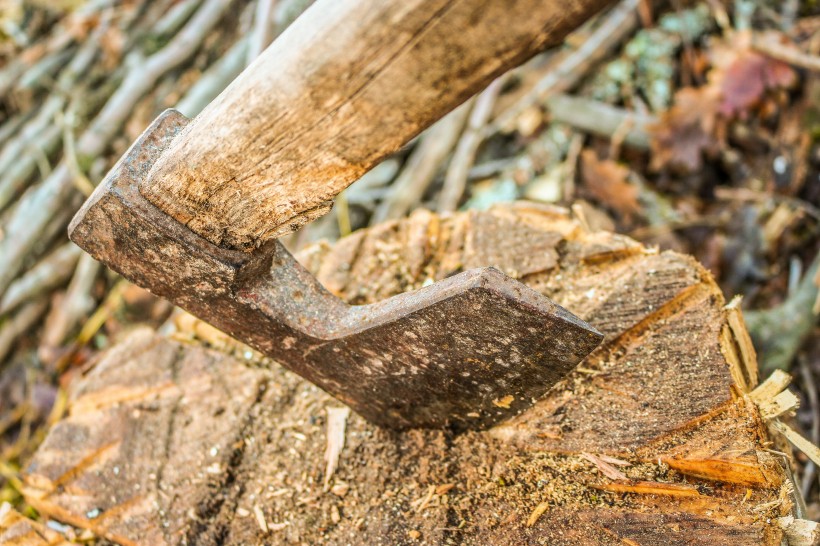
[[193, 210]]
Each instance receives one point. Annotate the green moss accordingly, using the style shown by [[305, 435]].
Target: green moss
[[648, 62]]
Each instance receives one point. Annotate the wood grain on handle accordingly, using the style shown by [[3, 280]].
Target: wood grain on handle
[[348, 83]]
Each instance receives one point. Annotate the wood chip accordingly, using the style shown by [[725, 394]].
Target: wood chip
[[423, 502], [804, 445], [770, 388], [539, 510], [445, 488], [336, 425], [747, 360], [651, 488], [604, 467], [260, 518], [340, 488], [781, 404], [800, 532], [613, 460]]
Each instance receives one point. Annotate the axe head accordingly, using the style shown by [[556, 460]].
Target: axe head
[[465, 352]]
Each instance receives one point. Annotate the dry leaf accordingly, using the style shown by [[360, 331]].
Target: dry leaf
[[747, 78], [607, 181], [686, 130], [737, 82], [742, 75], [112, 44]]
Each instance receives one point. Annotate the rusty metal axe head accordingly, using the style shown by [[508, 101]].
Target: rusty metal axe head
[[192, 211], [466, 352]]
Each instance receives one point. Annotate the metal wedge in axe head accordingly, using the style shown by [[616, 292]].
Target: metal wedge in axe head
[[193, 209]]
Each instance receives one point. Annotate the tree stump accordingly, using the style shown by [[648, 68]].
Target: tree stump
[[649, 441]]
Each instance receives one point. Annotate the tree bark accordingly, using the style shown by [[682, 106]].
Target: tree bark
[[649, 441]]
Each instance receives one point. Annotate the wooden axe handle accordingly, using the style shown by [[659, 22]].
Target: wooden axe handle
[[348, 83]]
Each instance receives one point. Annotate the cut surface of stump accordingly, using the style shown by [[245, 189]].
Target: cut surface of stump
[[649, 441]]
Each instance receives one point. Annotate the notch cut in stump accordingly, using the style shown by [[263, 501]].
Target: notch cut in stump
[[650, 441]]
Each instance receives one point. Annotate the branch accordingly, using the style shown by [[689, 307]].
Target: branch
[[772, 46], [75, 306], [421, 167], [54, 270], [19, 324], [568, 70], [38, 207], [464, 156], [779, 332], [15, 164], [214, 80], [601, 119], [262, 33]]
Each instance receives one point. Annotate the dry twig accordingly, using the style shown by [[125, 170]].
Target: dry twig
[[37, 208], [422, 165], [455, 181], [54, 270], [262, 33], [75, 305], [19, 323], [569, 69], [772, 46]]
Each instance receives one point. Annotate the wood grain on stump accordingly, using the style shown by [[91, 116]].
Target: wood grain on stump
[[170, 442]]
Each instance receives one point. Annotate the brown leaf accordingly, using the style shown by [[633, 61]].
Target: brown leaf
[[607, 181], [747, 78], [112, 43], [686, 130], [737, 82], [742, 75]]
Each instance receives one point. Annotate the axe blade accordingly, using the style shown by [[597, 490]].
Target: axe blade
[[465, 352]]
